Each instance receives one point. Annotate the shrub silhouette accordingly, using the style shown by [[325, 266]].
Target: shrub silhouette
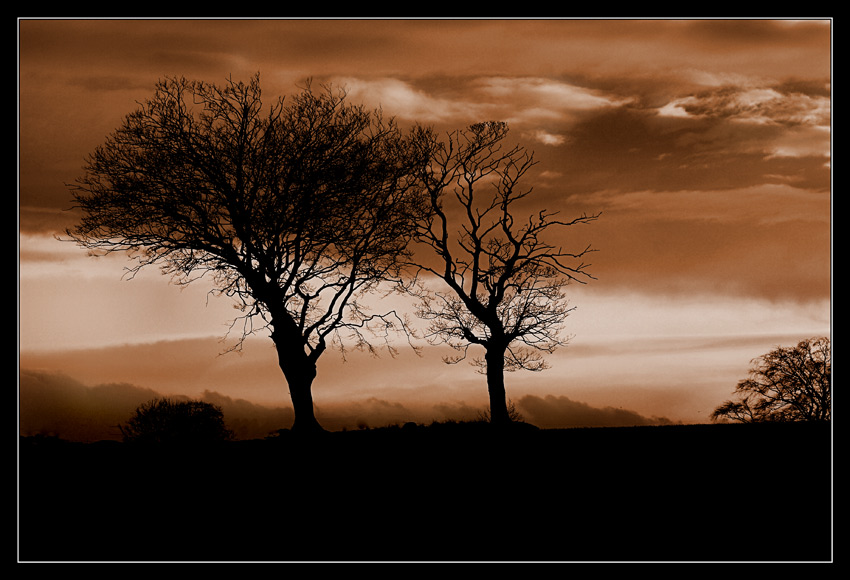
[[176, 422]]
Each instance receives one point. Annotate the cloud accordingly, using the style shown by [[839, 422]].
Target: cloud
[[759, 105], [627, 149], [536, 98], [546, 138], [44, 219], [401, 99], [744, 132], [802, 142], [767, 204], [551, 412], [521, 101]]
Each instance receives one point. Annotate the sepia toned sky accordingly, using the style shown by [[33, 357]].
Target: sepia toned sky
[[705, 145]]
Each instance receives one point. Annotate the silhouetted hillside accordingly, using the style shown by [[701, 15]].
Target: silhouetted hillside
[[453, 491]]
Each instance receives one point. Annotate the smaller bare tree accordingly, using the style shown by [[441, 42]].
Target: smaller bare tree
[[786, 384], [505, 280]]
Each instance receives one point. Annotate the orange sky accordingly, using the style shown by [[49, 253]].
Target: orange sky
[[705, 144]]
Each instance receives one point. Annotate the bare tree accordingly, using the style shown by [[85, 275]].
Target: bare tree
[[786, 384], [297, 211], [501, 280]]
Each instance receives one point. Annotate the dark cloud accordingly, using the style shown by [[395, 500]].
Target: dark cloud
[[92, 48], [628, 149], [809, 87], [666, 255], [557, 412], [730, 35], [105, 83], [765, 105], [45, 220], [435, 70]]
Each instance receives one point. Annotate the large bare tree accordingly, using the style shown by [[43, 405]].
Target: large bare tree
[[501, 279], [297, 210]]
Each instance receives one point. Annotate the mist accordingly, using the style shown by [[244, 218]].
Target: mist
[[56, 404]]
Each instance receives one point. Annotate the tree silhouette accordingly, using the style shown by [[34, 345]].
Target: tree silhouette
[[297, 211], [505, 279], [165, 421], [786, 384]]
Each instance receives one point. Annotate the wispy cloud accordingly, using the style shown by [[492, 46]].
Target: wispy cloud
[[401, 99], [763, 105], [535, 97], [524, 102], [546, 138], [767, 204]]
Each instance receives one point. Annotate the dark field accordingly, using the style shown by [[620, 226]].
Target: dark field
[[440, 493]]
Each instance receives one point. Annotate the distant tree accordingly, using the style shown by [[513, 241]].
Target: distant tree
[[501, 280], [297, 211], [166, 421], [786, 384]]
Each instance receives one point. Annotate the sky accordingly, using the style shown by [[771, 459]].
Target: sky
[[704, 144]]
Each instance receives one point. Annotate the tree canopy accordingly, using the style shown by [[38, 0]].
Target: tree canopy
[[786, 384], [297, 210]]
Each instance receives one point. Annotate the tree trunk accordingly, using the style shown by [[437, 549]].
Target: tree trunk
[[300, 380], [299, 371], [495, 360]]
